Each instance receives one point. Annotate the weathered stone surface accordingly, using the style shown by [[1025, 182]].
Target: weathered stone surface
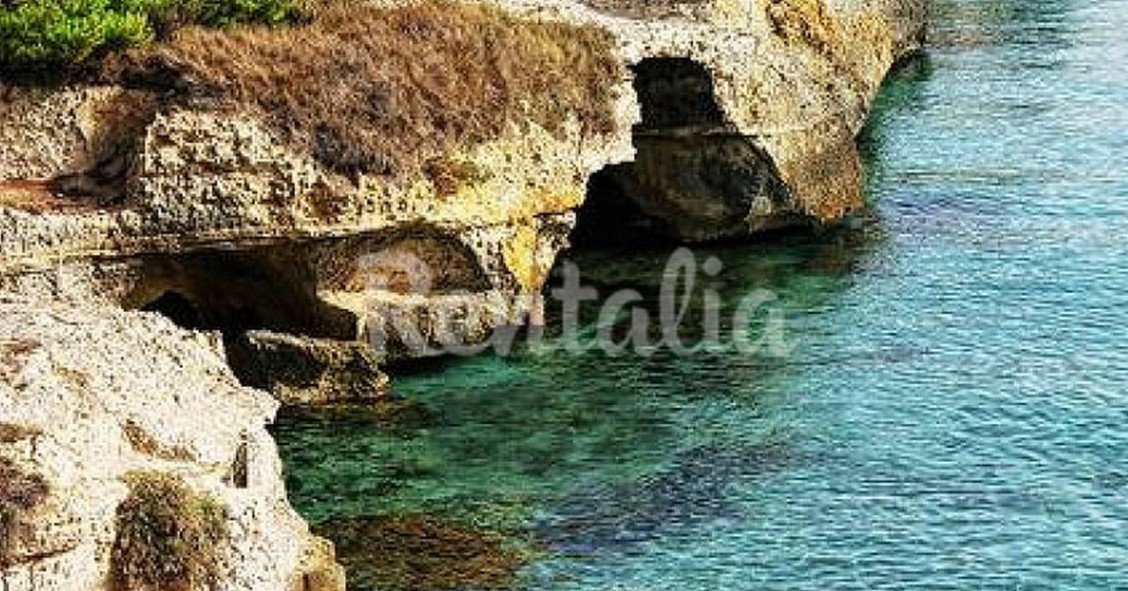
[[47, 133], [785, 85], [740, 117], [303, 371], [100, 392], [205, 182]]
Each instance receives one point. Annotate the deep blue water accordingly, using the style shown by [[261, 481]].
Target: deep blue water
[[954, 414]]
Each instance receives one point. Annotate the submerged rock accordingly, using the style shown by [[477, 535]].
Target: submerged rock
[[421, 553]]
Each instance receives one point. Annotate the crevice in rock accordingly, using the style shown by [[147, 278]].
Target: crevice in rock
[[240, 466], [144, 442], [102, 185]]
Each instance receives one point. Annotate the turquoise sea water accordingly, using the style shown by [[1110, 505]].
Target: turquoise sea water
[[954, 414]]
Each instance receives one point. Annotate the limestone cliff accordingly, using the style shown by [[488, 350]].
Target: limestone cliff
[[91, 394], [732, 117]]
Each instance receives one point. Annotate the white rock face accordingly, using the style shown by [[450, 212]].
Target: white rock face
[[102, 392]]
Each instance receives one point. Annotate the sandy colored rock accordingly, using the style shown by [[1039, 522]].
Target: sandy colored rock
[[99, 393]]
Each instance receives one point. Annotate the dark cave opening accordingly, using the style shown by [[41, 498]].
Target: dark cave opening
[[611, 218], [676, 97], [233, 292], [675, 92], [695, 177], [177, 308]]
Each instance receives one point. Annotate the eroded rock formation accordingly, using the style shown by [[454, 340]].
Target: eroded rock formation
[[734, 117], [749, 108], [95, 393]]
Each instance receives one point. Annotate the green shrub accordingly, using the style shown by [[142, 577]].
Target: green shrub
[[223, 13], [39, 36], [169, 537], [51, 33]]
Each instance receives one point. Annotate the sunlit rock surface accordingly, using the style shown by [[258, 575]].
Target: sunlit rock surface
[[96, 393]]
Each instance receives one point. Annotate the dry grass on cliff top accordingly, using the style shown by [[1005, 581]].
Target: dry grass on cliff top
[[384, 90]]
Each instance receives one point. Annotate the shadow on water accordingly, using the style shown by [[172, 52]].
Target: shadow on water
[[903, 92], [694, 490]]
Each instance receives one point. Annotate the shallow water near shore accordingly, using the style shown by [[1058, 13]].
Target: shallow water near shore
[[954, 414]]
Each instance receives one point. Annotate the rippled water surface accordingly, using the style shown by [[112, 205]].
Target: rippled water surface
[[954, 414]]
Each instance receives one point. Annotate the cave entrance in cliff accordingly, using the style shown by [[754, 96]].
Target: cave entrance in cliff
[[234, 292], [178, 308], [675, 94], [677, 99]]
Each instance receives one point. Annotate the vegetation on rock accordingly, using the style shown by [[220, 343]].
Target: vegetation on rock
[[38, 36], [169, 537], [370, 89], [19, 492]]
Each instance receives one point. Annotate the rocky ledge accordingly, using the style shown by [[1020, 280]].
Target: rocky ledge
[[171, 187]]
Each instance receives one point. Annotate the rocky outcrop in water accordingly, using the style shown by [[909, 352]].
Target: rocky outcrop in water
[[733, 117], [749, 109]]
